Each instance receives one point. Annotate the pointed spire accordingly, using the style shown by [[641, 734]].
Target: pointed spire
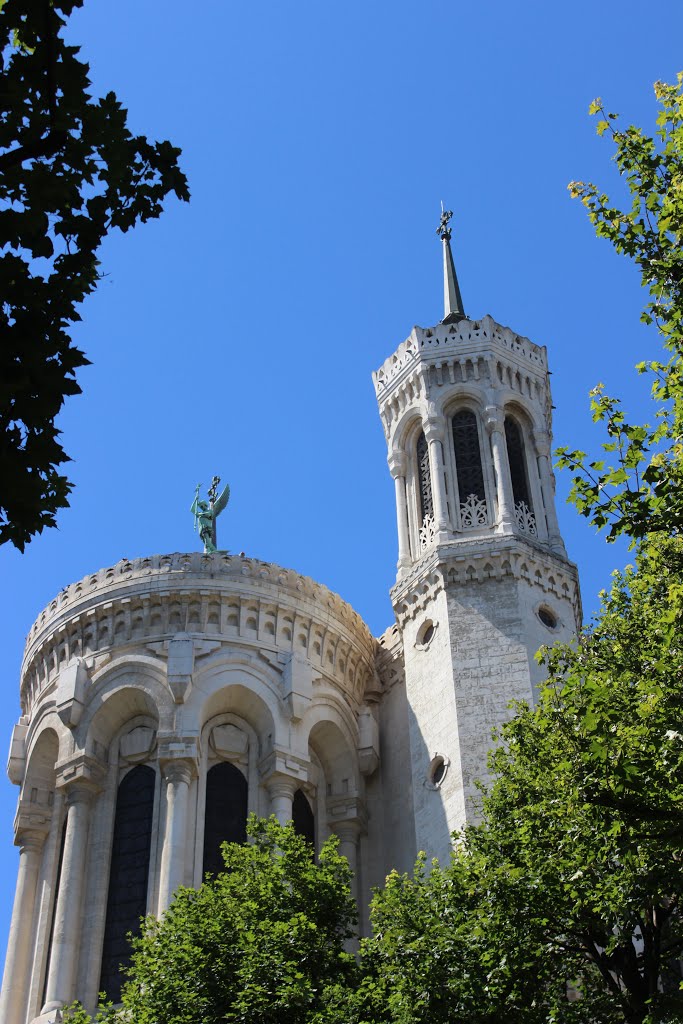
[[452, 299]]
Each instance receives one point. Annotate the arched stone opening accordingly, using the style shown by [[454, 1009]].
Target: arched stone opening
[[303, 817], [128, 874], [225, 813]]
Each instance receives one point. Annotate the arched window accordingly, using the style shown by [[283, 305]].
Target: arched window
[[127, 899], [470, 475], [302, 816], [524, 512], [225, 818], [424, 478]]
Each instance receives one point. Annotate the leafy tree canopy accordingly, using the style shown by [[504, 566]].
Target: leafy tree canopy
[[638, 487], [263, 942], [70, 171]]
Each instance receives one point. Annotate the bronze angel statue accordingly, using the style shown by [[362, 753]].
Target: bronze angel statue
[[206, 512]]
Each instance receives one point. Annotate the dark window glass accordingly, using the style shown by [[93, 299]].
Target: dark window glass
[[225, 819], [468, 455], [127, 899], [424, 478], [428, 634], [547, 618], [302, 816], [517, 460]]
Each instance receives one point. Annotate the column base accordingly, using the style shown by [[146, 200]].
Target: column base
[[505, 528]]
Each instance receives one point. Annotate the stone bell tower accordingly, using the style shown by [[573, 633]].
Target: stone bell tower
[[483, 576]]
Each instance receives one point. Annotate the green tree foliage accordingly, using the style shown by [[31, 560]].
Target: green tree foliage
[[70, 172], [638, 487], [263, 942]]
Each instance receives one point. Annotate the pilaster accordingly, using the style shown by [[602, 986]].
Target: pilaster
[[178, 771]]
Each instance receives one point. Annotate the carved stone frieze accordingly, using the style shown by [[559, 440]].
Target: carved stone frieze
[[480, 351], [183, 607], [457, 564]]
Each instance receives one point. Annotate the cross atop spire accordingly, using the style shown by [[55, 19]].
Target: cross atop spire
[[452, 300]]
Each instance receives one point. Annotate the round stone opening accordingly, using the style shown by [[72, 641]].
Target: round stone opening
[[438, 767], [425, 634], [547, 617]]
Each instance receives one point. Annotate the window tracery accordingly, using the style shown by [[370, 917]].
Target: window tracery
[[469, 470], [424, 479], [524, 511]]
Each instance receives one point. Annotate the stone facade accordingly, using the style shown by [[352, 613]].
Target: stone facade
[[174, 665]]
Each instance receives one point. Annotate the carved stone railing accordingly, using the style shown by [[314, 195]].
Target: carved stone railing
[[525, 518], [427, 533], [469, 335], [473, 513]]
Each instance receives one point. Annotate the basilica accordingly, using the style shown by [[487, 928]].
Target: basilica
[[165, 698]]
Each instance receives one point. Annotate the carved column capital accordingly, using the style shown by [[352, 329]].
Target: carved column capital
[[179, 770], [434, 429], [281, 764], [348, 831], [494, 419], [34, 813], [541, 441], [282, 786], [80, 792], [398, 463], [174, 747], [31, 840], [346, 811], [80, 774]]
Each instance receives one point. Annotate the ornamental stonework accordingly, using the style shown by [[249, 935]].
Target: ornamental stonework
[[147, 602]]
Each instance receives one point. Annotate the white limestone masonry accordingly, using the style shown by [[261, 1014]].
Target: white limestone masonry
[[180, 663]]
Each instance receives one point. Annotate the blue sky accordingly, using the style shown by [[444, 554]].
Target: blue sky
[[237, 335]]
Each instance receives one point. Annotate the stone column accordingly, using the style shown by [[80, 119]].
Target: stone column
[[281, 790], [349, 833], [495, 424], [542, 443], [434, 435], [177, 775], [59, 991], [15, 983], [397, 468]]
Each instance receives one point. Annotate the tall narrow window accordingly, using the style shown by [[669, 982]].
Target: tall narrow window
[[129, 872], [302, 816], [225, 820], [524, 513], [470, 475], [424, 478]]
